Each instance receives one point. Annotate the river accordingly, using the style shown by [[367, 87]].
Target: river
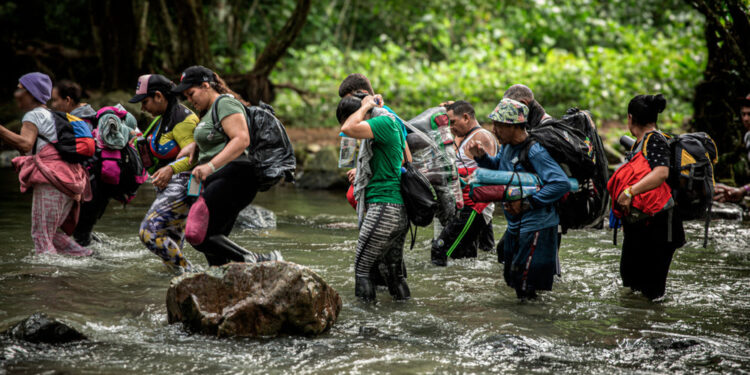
[[461, 318]]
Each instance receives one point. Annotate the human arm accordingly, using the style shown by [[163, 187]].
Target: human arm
[[355, 126], [183, 135], [235, 127], [22, 142], [651, 181], [477, 150], [554, 181]]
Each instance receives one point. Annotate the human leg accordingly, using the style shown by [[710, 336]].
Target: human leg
[[163, 227], [458, 238], [381, 225], [50, 207]]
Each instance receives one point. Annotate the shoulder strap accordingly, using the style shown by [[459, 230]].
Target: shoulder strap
[[523, 155], [468, 135], [215, 114]]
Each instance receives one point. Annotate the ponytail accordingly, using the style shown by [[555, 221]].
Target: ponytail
[[645, 109], [221, 87]]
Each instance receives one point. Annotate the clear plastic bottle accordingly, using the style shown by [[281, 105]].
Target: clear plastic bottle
[[348, 152]]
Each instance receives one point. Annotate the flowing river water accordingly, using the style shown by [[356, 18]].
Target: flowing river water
[[461, 319]]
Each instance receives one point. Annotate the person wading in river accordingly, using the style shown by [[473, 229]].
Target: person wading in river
[[377, 185], [58, 186], [652, 230], [461, 235], [227, 177], [530, 240], [165, 145]]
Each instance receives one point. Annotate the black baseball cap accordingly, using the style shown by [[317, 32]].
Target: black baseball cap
[[148, 84], [192, 76]]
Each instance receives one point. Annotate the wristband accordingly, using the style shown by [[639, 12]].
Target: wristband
[[211, 165], [628, 193]]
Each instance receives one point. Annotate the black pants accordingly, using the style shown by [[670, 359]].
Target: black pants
[[486, 238], [647, 253], [459, 238], [212, 216], [92, 211]]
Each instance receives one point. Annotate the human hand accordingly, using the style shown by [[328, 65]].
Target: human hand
[[513, 207], [475, 149], [161, 178], [186, 151], [624, 202], [351, 174], [369, 102], [446, 103], [202, 171], [734, 194]]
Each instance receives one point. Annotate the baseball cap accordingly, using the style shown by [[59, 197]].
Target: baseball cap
[[149, 84], [510, 111], [192, 76]]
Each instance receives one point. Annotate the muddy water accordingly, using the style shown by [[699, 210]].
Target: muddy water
[[461, 319]]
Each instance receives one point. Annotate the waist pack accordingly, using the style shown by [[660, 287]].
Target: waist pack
[[270, 152], [575, 144], [74, 140], [122, 169]]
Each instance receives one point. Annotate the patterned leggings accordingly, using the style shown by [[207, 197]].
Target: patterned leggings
[[163, 228], [381, 237], [49, 208]]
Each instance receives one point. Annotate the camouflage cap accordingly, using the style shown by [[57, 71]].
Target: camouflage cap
[[510, 111]]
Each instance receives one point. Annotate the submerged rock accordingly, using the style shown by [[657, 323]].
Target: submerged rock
[[256, 217], [253, 299], [41, 328], [726, 211]]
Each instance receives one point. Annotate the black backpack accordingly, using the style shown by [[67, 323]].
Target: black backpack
[[691, 175], [418, 195], [575, 144], [270, 151]]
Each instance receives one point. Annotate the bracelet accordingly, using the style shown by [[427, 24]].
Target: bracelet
[[628, 193], [211, 165]]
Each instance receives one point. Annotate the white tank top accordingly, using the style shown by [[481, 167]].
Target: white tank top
[[464, 161]]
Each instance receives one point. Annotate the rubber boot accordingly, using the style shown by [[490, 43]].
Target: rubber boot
[[397, 285], [257, 258], [221, 246], [364, 289]]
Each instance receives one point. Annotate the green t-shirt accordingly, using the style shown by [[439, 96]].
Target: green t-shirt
[[387, 154], [210, 141]]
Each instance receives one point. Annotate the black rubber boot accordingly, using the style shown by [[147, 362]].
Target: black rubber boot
[[257, 258], [397, 285], [219, 247], [364, 289]]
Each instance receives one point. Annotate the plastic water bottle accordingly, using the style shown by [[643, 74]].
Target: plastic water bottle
[[458, 193], [347, 152]]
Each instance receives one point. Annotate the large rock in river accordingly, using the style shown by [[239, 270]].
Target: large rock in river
[[256, 217], [253, 299], [41, 328], [322, 171]]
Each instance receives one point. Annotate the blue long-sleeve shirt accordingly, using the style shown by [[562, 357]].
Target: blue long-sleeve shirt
[[554, 185]]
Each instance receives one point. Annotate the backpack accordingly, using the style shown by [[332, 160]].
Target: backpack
[[270, 152], [75, 144], [691, 175], [575, 144], [418, 195], [122, 169]]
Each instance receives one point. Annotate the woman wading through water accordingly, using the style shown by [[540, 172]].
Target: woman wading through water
[[224, 171]]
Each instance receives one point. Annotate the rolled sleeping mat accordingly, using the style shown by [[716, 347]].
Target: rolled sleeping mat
[[504, 193], [483, 176]]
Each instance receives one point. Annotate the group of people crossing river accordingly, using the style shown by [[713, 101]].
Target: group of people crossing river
[[205, 170]]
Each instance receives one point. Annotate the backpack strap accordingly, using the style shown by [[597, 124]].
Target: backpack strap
[[523, 155], [215, 113]]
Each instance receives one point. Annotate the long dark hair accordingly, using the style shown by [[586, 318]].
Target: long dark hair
[[347, 106], [645, 109], [67, 88], [222, 88]]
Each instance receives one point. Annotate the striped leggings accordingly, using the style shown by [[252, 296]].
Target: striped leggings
[[381, 237]]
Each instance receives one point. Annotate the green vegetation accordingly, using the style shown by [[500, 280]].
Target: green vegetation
[[577, 53]]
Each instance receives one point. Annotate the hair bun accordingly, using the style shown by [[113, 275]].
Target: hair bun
[[657, 103]]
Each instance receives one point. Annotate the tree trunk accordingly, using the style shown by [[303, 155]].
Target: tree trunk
[[256, 86], [114, 29], [192, 34], [725, 80]]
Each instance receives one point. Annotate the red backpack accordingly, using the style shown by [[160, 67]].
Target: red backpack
[[74, 140]]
